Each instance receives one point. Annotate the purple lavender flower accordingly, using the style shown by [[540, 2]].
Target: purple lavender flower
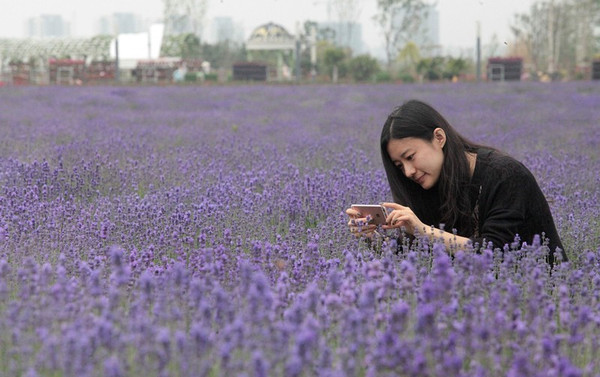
[[261, 366], [112, 367], [141, 234]]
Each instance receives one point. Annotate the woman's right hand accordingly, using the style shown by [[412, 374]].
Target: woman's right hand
[[359, 226]]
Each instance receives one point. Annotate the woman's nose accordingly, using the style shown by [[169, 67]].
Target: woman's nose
[[409, 170]]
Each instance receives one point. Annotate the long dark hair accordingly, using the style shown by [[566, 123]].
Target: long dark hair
[[448, 201]]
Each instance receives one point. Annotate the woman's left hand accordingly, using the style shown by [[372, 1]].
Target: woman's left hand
[[402, 216]]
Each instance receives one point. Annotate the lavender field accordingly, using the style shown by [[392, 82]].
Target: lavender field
[[200, 231]]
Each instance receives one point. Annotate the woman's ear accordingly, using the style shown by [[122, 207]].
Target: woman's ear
[[439, 137]]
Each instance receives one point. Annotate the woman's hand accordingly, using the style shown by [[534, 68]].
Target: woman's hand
[[402, 216], [359, 226]]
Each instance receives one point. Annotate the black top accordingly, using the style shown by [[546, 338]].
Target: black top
[[506, 201]]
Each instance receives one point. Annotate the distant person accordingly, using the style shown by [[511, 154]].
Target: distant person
[[439, 177], [179, 73]]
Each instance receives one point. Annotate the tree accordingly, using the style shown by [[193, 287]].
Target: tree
[[314, 41], [399, 20], [333, 58], [172, 45], [186, 46], [363, 67], [454, 67], [191, 48], [409, 57], [184, 16], [431, 68], [559, 35]]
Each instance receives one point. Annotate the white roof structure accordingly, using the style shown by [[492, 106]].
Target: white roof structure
[[132, 47], [24, 49], [271, 37]]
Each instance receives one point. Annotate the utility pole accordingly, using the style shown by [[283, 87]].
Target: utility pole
[[117, 73], [313, 52], [149, 43], [478, 50], [551, 41], [297, 68]]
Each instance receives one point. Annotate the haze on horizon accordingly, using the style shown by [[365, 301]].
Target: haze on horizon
[[458, 18]]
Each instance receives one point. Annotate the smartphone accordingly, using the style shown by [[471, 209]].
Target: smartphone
[[376, 211]]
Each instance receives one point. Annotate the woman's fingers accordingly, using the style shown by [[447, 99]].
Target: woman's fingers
[[352, 213], [357, 221], [359, 229], [399, 216], [366, 231], [392, 205], [397, 221], [393, 215]]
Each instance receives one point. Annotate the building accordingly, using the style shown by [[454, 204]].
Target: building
[[346, 34], [180, 24], [47, 26], [427, 37], [223, 29], [118, 23]]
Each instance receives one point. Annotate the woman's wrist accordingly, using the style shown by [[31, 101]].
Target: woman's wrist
[[452, 241]]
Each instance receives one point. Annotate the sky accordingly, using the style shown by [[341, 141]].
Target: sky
[[458, 18]]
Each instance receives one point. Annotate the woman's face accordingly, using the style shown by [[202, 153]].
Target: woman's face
[[419, 160]]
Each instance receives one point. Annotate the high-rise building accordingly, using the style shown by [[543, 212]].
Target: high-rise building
[[47, 26], [121, 23], [427, 37], [224, 29], [346, 34], [430, 43]]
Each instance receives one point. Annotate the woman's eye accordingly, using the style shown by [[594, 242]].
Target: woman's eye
[[409, 158]]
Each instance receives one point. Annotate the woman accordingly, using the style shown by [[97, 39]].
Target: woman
[[438, 177]]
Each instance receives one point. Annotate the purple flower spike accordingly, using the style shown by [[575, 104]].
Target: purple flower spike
[[200, 230], [112, 367]]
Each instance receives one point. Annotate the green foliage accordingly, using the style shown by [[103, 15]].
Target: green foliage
[[406, 77], [323, 38], [558, 35], [439, 67], [186, 46], [334, 57], [211, 77], [190, 48], [431, 68], [363, 67], [454, 67], [223, 54], [383, 76], [399, 20], [190, 77], [322, 33], [410, 54]]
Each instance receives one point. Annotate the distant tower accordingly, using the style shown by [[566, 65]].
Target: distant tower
[[184, 16]]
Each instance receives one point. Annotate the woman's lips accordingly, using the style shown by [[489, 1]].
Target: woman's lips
[[420, 179]]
